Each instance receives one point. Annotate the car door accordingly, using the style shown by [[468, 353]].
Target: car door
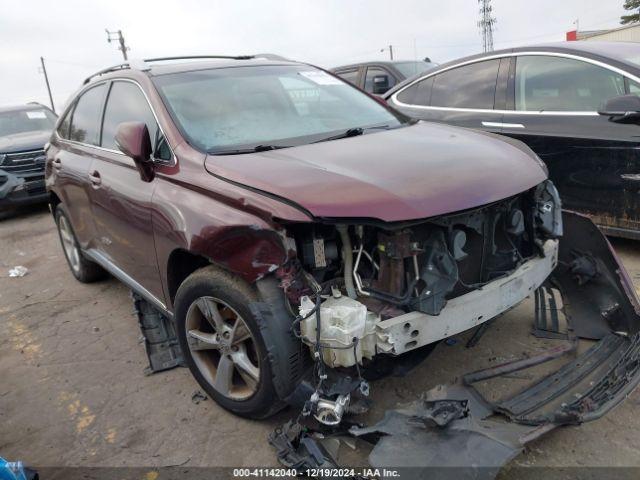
[[77, 137], [464, 95], [378, 80], [121, 200], [351, 75], [553, 103]]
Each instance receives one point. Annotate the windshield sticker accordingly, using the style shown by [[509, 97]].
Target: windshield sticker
[[321, 78], [35, 115]]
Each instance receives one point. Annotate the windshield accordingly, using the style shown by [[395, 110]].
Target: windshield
[[409, 69], [21, 121], [256, 106]]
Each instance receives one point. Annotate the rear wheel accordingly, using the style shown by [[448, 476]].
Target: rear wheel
[[82, 268], [222, 343]]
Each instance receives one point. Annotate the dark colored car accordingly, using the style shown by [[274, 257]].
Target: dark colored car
[[24, 130], [296, 231], [379, 76], [554, 98]]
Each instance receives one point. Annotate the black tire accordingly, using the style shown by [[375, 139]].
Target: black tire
[[82, 268], [212, 282]]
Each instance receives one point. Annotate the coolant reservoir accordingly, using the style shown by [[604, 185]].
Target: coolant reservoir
[[341, 320]]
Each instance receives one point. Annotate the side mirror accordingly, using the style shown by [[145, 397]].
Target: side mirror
[[380, 84], [134, 141], [622, 109]]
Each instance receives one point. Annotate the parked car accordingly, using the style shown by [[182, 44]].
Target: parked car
[[379, 76], [297, 230], [24, 130], [554, 98]]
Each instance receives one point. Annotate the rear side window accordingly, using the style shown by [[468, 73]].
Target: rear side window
[[417, 94], [378, 80], [563, 84], [85, 121], [469, 86], [350, 76], [126, 103]]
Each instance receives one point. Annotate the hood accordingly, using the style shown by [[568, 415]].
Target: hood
[[24, 141], [419, 171]]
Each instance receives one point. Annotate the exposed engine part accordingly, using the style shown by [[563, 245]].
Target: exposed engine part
[[318, 252], [439, 274], [548, 211], [515, 222], [458, 240], [347, 257], [347, 329], [329, 412]]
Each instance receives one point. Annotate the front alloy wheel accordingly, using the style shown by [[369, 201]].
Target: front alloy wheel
[[223, 348]]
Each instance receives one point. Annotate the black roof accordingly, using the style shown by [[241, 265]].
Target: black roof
[[614, 52]]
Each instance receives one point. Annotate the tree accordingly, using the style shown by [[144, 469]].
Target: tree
[[631, 5]]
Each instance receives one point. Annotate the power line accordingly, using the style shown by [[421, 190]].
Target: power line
[[113, 36], [486, 24]]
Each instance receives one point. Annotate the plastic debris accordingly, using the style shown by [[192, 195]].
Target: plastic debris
[[18, 271], [451, 341], [198, 397]]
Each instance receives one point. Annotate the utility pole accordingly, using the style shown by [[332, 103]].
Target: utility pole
[[113, 36], [486, 24], [390, 51], [46, 79]]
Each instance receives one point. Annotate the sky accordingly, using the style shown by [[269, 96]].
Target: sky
[[70, 34]]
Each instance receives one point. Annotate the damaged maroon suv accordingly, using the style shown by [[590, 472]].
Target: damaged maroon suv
[[297, 233]]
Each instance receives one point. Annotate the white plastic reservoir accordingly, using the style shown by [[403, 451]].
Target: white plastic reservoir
[[341, 320]]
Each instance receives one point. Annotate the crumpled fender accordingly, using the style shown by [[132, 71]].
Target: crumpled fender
[[249, 251]]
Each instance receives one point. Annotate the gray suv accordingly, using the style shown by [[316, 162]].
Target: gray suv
[[24, 130]]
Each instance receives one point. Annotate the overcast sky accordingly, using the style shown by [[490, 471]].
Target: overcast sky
[[70, 34]]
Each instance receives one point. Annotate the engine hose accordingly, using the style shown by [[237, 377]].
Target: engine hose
[[347, 256]]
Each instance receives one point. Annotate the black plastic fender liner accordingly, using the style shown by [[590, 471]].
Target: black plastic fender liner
[[288, 355], [597, 293]]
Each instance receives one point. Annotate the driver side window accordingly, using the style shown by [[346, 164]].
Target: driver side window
[[127, 103]]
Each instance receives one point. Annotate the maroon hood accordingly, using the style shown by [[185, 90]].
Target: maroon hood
[[408, 173]]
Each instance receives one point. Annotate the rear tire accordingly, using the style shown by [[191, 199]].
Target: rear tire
[[222, 343], [81, 267]]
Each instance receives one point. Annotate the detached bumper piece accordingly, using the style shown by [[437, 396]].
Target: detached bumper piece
[[159, 336], [454, 431]]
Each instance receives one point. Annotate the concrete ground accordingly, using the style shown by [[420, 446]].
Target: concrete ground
[[73, 391]]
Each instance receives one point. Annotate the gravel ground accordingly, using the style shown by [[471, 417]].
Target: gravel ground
[[74, 393]]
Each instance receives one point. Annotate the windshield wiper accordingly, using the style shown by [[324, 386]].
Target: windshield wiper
[[352, 132], [257, 148]]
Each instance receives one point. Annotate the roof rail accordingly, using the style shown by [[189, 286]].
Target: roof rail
[[114, 68], [142, 64], [201, 57]]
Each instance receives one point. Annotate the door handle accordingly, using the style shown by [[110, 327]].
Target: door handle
[[57, 163], [95, 179]]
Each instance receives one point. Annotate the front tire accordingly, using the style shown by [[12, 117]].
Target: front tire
[[222, 344], [81, 267]]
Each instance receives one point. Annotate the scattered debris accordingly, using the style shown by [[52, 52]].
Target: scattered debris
[[18, 271], [198, 397]]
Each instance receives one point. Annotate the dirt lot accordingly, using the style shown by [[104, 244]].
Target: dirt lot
[[73, 390]]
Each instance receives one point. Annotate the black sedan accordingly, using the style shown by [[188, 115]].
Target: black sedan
[[575, 104]]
